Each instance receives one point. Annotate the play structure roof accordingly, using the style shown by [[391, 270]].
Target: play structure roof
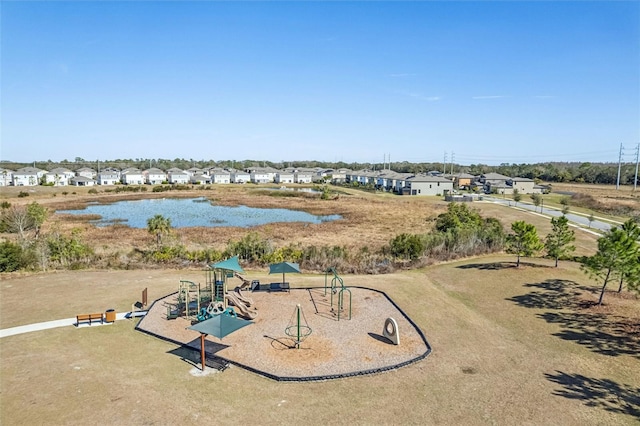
[[230, 264], [284, 267], [220, 325]]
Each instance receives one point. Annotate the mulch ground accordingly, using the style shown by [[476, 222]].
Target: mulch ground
[[334, 347]]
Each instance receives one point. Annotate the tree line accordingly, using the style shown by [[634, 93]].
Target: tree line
[[578, 172]]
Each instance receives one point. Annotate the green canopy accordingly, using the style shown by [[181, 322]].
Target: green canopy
[[220, 325], [230, 264], [283, 267]]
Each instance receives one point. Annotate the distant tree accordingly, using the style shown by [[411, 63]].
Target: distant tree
[[38, 215], [558, 241], [537, 200], [564, 201], [616, 251], [517, 197], [159, 225], [524, 240], [23, 219]]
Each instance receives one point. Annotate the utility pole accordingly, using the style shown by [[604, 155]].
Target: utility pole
[[444, 163], [619, 166], [635, 180], [453, 155]]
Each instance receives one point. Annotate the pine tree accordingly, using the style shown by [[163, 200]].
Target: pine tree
[[558, 242], [524, 241]]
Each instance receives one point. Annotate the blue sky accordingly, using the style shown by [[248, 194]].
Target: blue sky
[[492, 82]]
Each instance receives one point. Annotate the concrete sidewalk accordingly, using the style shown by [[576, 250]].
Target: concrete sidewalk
[[63, 323]]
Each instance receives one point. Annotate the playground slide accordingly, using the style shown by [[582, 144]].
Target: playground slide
[[244, 299], [244, 309]]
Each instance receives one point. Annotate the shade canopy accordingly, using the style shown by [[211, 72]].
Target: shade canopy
[[284, 267], [230, 264], [220, 325]]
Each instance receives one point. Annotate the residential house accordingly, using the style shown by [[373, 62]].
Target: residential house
[[177, 176], [108, 177], [284, 177], [427, 185], [81, 181], [303, 176], [200, 179], [220, 176], [239, 176], [502, 188], [60, 176], [6, 177], [28, 176], [461, 180], [402, 182], [86, 172], [495, 180], [524, 185], [262, 175], [154, 176], [131, 176]]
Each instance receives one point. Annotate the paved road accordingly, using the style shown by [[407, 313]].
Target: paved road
[[574, 218]]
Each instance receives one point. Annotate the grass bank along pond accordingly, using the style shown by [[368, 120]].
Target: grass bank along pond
[[192, 212]]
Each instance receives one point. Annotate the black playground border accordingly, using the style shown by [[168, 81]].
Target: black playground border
[[223, 362]]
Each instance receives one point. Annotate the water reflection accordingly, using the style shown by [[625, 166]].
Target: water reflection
[[191, 212]]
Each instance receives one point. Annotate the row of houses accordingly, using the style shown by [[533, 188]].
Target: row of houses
[[436, 183], [32, 176], [430, 183]]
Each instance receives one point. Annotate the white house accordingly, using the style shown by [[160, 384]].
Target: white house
[[108, 177], [261, 175], [200, 179], [86, 172], [302, 176], [131, 176], [6, 177], [238, 176], [59, 176], [284, 177], [154, 176], [177, 176], [220, 176], [81, 181], [27, 176]]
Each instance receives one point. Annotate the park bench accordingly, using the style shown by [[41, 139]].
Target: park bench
[[90, 318], [279, 287]]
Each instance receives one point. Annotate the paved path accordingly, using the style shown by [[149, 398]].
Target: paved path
[[58, 323], [575, 218]]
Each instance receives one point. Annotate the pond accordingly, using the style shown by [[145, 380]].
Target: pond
[[192, 212]]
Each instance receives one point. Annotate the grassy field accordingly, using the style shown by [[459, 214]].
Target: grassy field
[[509, 347]]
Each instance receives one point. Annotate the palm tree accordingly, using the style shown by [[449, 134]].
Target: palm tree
[[159, 225]]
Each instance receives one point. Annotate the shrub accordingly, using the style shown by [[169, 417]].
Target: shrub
[[407, 246], [23, 194], [69, 251], [93, 191], [10, 257]]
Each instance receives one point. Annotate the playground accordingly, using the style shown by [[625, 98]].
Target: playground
[[313, 333]]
